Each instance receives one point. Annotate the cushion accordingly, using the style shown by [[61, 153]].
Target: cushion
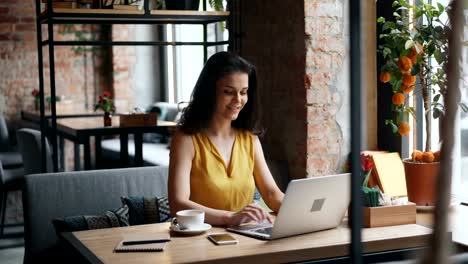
[[147, 210], [111, 218]]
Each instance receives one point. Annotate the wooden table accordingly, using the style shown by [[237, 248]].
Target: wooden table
[[79, 128], [97, 245], [458, 220]]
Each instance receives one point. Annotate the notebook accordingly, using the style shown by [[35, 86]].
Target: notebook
[[309, 205], [142, 243]]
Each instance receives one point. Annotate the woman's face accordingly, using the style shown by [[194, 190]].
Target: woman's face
[[231, 95]]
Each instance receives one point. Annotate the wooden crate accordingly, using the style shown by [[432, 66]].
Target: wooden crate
[[389, 215], [132, 120]]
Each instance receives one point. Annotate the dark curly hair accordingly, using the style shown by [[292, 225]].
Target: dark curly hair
[[199, 112]]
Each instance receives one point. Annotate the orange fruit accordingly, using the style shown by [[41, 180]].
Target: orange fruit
[[408, 79], [417, 155], [437, 156], [385, 77], [404, 128], [428, 157], [404, 64], [413, 58], [407, 89], [398, 99]]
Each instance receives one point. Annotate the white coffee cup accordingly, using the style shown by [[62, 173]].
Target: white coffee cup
[[189, 219]]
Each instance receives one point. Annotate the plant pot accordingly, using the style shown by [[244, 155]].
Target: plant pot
[[421, 180], [182, 4]]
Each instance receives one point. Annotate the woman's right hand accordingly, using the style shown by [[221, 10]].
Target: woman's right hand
[[251, 212]]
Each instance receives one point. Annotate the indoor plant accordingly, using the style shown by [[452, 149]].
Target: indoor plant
[[105, 104], [411, 44]]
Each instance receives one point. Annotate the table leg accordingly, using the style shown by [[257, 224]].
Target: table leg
[[124, 149], [62, 153], [98, 151], [138, 140], [77, 157], [87, 155]]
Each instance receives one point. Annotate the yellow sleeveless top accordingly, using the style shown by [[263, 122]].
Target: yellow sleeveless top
[[215, 186]]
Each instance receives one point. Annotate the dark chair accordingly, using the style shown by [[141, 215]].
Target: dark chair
[[29, 142], [10, 180], [9, 156]]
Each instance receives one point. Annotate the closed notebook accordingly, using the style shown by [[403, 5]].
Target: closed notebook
[[141, 243]]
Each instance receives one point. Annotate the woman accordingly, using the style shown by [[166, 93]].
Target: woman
[[216, 157]]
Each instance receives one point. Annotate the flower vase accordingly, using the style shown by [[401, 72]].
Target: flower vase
[[107, 119], [36, 105]]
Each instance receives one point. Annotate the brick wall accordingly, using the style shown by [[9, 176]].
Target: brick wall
[[299, 48]]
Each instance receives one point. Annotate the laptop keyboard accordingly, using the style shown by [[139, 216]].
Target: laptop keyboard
[[266, 230]]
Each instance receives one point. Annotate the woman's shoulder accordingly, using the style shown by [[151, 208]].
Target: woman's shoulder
[[181, 138]]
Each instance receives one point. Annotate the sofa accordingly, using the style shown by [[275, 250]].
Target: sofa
[[56, 195], [155, 146]]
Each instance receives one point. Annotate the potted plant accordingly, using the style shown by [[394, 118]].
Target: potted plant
[[105, 104], [411, 45]]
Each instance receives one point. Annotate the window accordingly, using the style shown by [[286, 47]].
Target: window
[[186, 62], [460, 179], [460, 154]]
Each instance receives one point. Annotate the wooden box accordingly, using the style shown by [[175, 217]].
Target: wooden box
[[132, 120], [389, 215]]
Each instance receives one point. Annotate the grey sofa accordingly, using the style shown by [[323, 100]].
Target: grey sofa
[[155, 146], [53, 195]]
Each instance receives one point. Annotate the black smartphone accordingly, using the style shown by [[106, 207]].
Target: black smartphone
[[222, 239]]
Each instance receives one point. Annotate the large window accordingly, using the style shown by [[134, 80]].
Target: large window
[[186, 62]]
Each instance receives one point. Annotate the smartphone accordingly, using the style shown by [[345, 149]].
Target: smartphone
[[222, 239]]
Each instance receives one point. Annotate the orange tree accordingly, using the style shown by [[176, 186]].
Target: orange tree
[[415, 45]]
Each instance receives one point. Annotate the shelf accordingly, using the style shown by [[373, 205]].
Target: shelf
[[119, 16]]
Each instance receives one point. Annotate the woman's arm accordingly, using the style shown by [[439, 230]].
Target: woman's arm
[[181, 156], [270, 192]]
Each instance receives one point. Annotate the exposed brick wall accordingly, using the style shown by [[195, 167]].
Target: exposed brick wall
[[299, 48]]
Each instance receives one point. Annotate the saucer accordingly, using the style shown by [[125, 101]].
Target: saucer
[[205, 227]]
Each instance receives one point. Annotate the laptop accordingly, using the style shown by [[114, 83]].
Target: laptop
[[309, 205]]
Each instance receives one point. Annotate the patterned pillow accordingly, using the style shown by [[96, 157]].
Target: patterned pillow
[[111, 218], [147, 210], [257, 196]]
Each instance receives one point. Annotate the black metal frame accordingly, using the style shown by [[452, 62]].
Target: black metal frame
[[51, 18]]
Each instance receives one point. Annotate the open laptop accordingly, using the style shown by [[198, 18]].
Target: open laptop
[[309, 205]]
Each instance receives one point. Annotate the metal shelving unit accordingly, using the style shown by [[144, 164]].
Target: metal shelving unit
[[56, 16]]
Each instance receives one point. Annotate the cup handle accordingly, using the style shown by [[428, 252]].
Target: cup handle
[[174, 221]]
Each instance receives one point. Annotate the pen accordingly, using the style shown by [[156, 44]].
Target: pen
[[139, 242]]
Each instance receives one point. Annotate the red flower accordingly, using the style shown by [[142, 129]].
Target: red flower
[[106, 94], [35, 92], [101, 100], [366, 162]]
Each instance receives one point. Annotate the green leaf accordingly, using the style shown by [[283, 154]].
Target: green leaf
[[415, 69], [388, 25], [441, 7], [395, 14], [381, 20], [436, 98]]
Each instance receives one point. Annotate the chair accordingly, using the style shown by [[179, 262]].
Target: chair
[[10, 180], [29, 142], [9, 157]]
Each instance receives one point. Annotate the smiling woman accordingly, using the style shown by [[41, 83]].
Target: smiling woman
[[216, 158]]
